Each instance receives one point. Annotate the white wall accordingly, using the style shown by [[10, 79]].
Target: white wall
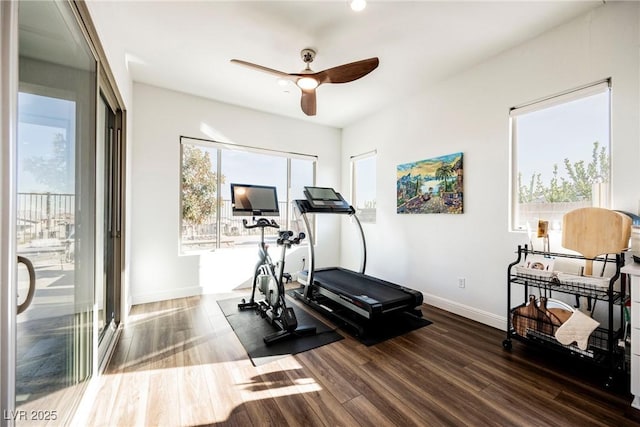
[[469, 113], [161, 117]]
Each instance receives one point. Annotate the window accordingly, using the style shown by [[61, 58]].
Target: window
[[560, 156], [363, 186], [208, 168]]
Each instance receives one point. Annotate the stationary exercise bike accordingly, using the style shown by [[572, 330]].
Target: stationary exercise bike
[[268, 279]]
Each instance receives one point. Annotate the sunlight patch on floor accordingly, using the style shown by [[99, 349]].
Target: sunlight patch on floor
[[278, 379]]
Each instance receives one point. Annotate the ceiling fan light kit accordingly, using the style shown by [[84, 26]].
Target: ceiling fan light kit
[[307, 83], [308, 80]]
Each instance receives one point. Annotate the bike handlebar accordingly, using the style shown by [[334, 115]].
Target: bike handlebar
[[285, 238], [262, 223]]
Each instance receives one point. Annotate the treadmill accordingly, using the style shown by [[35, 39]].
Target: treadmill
[[356, 299]]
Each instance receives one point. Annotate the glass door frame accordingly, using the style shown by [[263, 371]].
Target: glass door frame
[[8, 194], [113, 206], [106, 89]]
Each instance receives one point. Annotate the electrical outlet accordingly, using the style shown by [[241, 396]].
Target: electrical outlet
[[462, 282]]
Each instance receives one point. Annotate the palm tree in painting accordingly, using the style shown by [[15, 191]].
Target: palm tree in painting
[[443, 173], [417, 187]]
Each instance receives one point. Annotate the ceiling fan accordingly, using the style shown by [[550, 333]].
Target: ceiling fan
[[308, 80]]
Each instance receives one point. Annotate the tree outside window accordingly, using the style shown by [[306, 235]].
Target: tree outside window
[[199, 193], [208, 169]]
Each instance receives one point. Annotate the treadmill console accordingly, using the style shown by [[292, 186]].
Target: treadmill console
[[324, 197]]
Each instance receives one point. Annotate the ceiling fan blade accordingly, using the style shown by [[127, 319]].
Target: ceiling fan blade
[[308, 81], [308, 102], [348, 72], [264, 69]]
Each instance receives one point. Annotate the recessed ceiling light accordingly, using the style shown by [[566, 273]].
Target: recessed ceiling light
[[358, 5]]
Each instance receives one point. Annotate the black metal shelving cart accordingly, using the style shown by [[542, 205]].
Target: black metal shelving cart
[[602, 348]]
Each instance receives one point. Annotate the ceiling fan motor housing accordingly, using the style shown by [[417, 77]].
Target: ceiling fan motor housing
[[308, 55]]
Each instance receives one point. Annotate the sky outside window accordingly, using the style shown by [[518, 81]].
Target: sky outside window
[[42, 120], [243, 167], [548, 136], [365, 177]]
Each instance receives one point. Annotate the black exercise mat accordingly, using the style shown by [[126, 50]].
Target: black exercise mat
[[251, 329], [390, 326]]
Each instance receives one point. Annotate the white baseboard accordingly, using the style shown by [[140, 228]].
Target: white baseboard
[[166, 295], [490, 319]]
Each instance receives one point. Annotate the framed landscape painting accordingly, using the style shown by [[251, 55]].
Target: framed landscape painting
[[430, 186]]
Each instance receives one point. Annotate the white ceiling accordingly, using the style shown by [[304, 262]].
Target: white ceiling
[[186, 46]]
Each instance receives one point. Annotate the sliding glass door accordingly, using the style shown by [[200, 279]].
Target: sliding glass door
[[56, 212], [61, 183]]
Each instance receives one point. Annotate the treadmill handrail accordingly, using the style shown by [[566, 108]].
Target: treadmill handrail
[[363, 261], [305, 207], [312, 243]]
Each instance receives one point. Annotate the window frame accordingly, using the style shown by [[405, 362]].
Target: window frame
[[581, 92], [219, 147], [354, 183]]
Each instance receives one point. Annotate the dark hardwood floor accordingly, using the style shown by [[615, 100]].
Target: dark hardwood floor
[[179, 363]]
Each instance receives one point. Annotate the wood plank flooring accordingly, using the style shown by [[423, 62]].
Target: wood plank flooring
[[179, 363]]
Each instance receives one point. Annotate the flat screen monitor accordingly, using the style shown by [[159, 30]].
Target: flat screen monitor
[[254, 200], [322, 194], [325, 197]]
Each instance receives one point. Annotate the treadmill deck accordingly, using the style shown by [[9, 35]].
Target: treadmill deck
[[366, 292]]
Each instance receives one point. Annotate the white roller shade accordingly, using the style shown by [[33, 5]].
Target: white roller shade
[[562, 98]]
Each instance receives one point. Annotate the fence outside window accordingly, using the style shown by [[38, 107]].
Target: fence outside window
[[45, 216], [232, 232]]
